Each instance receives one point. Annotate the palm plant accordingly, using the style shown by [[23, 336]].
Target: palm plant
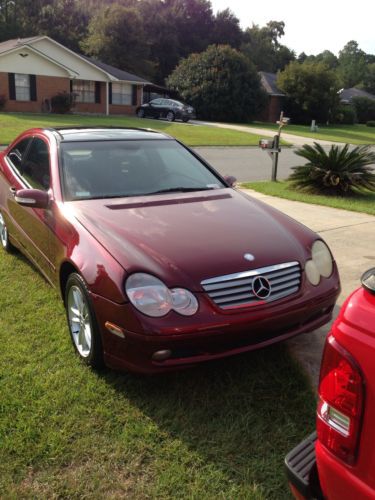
[[339, 171]]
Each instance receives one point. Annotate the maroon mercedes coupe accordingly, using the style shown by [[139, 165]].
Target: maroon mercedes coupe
[[160, 262]]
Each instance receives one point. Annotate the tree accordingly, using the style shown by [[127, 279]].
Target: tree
[[352, 64], [369, 78], [116, 36], [311, 90], [226, 30], [262, 47], [220, 83]]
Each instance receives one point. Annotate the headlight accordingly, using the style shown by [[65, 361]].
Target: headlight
[[320, 264], [152, 297]]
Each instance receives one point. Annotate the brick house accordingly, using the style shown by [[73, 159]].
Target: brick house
[[272, 111], [32, 70]]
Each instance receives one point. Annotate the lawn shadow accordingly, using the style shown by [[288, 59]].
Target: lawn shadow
[[240, 415]]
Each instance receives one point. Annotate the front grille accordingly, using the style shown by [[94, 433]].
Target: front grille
[[236, 290]]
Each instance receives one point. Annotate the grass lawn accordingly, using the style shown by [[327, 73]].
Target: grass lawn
[[218, 431], [12, 124], [353, 134], [362, 202]]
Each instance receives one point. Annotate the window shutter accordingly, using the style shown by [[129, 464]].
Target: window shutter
[[12, 87], [71, 86], [97, 92], [110, 93], [33, 96], [134, 95]]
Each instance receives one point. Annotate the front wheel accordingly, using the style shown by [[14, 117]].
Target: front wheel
[[4, 235], [185, 120], [170, 116], [141, 113], [82, 323]]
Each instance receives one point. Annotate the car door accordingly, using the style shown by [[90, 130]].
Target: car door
[[155, 108], [31, 224]]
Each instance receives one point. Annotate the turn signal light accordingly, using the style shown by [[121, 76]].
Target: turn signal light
[[340, 406]]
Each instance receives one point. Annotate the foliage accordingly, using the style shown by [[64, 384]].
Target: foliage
[[352, 65], [226, 29], [116, 36], [326, 57], [340, 172], [311, 90], [369, 78], [62, 102], [345, 115], [3, 100], [220, 83], [370, 123], [364, 108], [262, 47]]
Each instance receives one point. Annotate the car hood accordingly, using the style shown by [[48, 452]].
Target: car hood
[[184, 238]]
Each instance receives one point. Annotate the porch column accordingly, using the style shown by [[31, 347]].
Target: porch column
[[106, 98]]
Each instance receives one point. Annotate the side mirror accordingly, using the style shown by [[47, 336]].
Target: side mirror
[[230, 180], [33, 198]]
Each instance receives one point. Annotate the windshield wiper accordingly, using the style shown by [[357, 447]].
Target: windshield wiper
[[181, 189]]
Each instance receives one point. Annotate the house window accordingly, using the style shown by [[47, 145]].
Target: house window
[[121, 93], [22, 87], [84, 90]]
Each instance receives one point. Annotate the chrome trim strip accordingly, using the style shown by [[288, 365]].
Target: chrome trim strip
[[246, 274]]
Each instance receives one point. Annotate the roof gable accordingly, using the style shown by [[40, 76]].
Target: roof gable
[[79, 66], [268, 81], [346, 95]]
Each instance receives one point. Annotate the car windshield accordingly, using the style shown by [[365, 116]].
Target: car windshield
[[111, 169]]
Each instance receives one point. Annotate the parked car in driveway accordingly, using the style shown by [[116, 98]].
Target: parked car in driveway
[[166, 108], [338, 461], [160, 262]]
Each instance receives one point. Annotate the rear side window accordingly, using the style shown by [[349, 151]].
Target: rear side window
[[17, 154]]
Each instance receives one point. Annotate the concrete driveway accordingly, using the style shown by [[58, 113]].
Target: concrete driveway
[[351, 237]]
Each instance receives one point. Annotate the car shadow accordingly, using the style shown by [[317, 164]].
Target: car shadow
[[240, 415]]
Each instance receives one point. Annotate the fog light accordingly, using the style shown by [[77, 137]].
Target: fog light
[[161, 355], [116, 330]]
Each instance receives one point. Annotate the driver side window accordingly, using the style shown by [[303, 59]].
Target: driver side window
[[17, 154]]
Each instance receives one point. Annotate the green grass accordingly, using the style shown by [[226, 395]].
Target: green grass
[[352, 134], [12, 124], [361, 202], [218, 431]]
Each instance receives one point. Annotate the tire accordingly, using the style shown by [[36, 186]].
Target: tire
[[170, 116], [141, 113], [82, 324], [185, 120], [4, 236]]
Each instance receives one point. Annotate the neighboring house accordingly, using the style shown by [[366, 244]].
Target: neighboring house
[[272, 111], [346, 95], [32, 70]]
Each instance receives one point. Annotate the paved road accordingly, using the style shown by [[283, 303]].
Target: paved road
[[250, 163]]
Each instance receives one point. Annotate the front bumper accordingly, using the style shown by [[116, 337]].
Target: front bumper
[[208, 335], [301, 470]]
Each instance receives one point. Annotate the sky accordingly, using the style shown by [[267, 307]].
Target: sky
[[311, 26]]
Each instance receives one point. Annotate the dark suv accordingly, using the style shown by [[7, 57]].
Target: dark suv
[[166, 108]]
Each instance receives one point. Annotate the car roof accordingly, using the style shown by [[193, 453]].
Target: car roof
[[72, 134]]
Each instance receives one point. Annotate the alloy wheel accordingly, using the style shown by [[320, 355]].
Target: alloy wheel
[[79, 321]]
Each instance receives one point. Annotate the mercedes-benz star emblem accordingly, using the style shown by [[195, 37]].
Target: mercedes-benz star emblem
[[261, 287]]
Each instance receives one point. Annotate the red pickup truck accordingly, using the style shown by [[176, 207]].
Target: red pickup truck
[[337, 462]]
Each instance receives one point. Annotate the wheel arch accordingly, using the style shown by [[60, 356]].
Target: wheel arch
[[66, 269]]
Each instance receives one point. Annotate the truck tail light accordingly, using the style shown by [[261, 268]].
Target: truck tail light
[[340, 405]]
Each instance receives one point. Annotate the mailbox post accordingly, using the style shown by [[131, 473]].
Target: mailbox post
[[273, 146]]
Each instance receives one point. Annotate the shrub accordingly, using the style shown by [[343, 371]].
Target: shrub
[[339, 172], [62, 102], [345, 115], [371, 123], [2, 101], [365, 108], [221, 83]]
